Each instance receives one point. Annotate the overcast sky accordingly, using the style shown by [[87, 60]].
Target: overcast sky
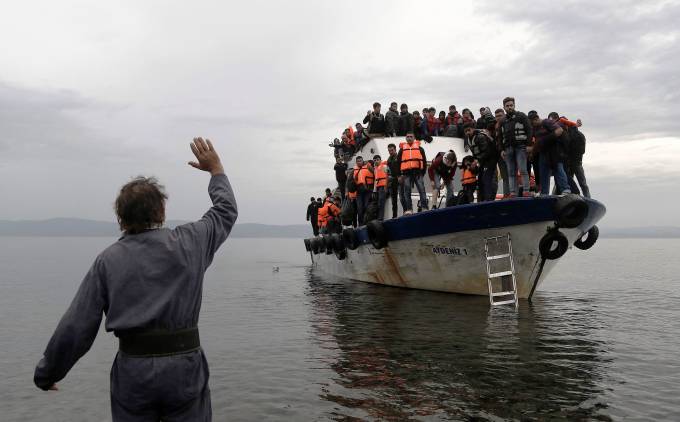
[[94, 93]]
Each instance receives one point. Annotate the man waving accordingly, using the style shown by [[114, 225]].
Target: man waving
[[149, 286]]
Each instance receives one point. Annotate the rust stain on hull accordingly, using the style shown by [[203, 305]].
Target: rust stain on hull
[[395, 267]]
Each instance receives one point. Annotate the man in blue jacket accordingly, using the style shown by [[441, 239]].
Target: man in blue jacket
[[149, 286]]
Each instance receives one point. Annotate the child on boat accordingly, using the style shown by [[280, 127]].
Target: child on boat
[[468, 179]]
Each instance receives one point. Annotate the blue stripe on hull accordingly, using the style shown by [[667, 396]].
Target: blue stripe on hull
[[484, 215]]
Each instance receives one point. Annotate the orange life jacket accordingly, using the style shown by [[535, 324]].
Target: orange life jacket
[[326, 213], [467, 177], [333, 210], [381, 174], [322, 218], [363, 176], [411, 158]]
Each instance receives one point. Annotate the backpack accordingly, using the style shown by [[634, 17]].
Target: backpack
[[347, 212], [371, 212], [462, 198], [351, 185], [577, 142], [452, 201]]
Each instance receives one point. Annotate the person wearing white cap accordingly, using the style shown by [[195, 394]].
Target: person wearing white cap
[[442, 169]]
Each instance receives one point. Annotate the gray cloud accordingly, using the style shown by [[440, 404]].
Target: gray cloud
[[48, 125], [123, 91], [614, 62]]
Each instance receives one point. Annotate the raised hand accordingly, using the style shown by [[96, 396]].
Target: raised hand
[[207, 157]]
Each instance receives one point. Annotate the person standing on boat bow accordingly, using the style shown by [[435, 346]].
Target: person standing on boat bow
[[381, 170], [484, 150], [392, 178], [515, 136], [149, 286], [364, 178], [312, 215], [412, 162]]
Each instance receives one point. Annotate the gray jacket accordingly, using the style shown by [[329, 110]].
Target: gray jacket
[[391, 122], [150, 280]]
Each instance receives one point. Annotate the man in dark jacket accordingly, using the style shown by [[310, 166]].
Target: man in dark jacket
[[312, 215], [483, 149], [341, 175], [149, 284], [515, 136], [350, 210], [361, 137], [550, 144], [405, 122], [502, 166], [576, 149], [417, 125], [392, 179], [391, 120], [375, 120], [482, 123]]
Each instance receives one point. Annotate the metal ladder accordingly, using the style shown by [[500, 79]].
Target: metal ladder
[[510, 295]]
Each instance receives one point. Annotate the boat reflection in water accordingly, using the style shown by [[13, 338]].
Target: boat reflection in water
[[404, 354]]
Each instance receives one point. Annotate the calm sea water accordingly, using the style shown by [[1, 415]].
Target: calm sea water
[[600, 341]]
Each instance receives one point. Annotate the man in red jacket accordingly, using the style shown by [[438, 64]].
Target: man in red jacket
[[442, 169]]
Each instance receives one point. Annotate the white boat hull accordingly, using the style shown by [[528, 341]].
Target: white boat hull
[[452, 262]]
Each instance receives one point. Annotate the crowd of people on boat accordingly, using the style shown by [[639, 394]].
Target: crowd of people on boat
[[500, 143]]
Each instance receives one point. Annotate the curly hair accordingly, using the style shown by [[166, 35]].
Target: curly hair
[[140, 205]]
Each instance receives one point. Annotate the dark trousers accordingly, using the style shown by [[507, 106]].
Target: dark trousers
[[503, 168], [363, 197], [315, 226], [575, 168], [394, 197], [353, 205], [487, 187], [469, 193], [570, 179], [168, 388], [381, 202], [341, 186], [533, 163]]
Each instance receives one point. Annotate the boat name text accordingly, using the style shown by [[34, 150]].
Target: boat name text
[[445, 250]]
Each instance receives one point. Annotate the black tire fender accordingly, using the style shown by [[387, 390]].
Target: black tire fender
[[591, 237], [315, 243], [376, 233], [328, 243], [349, 236], [570, 211], [308, 246], [338, 243], [339, 246], [545, 246]]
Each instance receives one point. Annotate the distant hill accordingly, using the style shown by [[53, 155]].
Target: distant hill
[[77, 227]]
